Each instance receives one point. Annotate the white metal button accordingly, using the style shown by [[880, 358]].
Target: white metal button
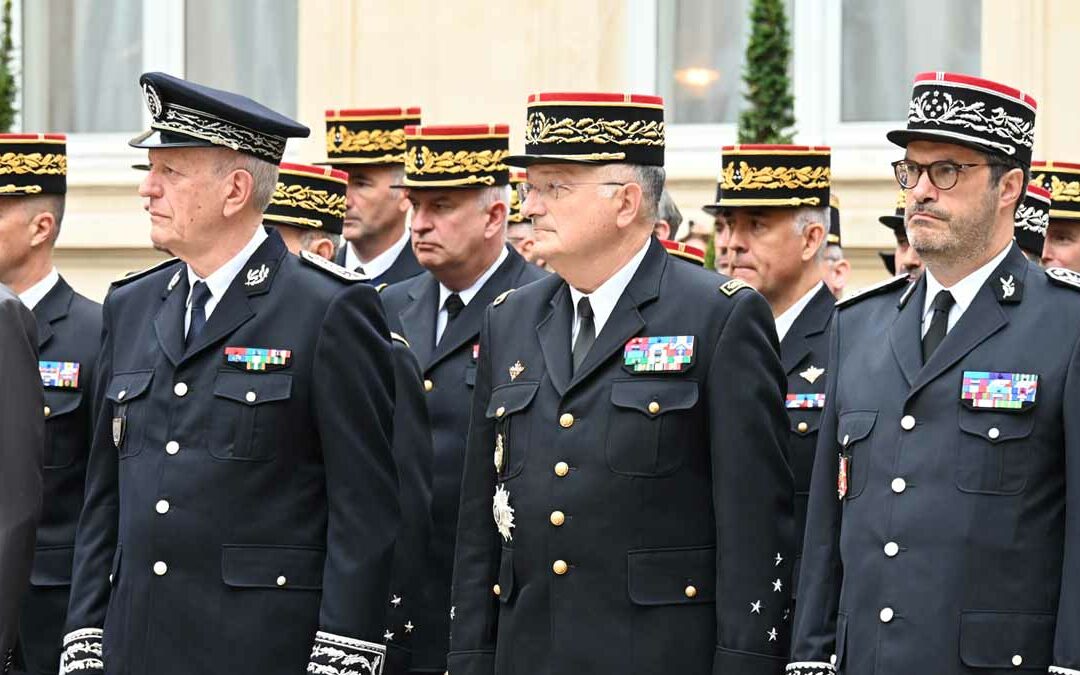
[[162, 506], [886, 615], [899, 485], [121, 395], [832, 659], [281, 581], [993, 433], [250, 397], [180, 389], [172, 447], [1017, 660], [907, 422], [847, 438], [160, 568], [891, 549]]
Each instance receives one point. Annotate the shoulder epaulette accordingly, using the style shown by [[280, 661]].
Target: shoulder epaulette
[[380, 287], [132, 276], [733, 286], [1063, 277], [876, 289], [333, 269], [502, 297], [395, 336]]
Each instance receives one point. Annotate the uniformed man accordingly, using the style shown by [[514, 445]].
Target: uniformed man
[[519, 229], [69, 337], [307, 208], [938, 538], [22, 440], [905, 259], [628, 434], [241, 501], [779, 231], [720, 233], [668, 218], [1062, 246], [681, 251], [835, 268], [369, 145], [1031, 218], [457, 181]]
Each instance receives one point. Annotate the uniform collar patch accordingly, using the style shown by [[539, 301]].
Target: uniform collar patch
[[257, 358], [659, 354]]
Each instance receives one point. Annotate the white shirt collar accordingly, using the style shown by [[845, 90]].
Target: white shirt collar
[[607, 294], [36, 293], [380, 263], [469, 293], [786, 320], [220, 280], [963, 291]]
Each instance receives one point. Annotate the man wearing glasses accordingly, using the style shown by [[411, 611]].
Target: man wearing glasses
[[627, 503], [942, 535]]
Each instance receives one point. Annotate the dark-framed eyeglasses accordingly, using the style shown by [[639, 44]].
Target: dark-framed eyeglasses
[[554, 190], [943, 173]]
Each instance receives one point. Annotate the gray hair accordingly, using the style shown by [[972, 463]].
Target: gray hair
[[397, 177], [805, 216], [264, 176], [309, 237], [651, 179], [668, 211], [487, 196]]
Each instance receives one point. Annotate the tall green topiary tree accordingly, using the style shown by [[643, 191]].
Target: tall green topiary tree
[[8, 83], [771, 115]]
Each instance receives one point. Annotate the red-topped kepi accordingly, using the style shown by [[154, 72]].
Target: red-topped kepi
[[311, 197], [773, 176], [1032, 217], [970, 111], [593, 128], [684, 251], [33, 164], [461, 156], [368, 135], [517, 176], [895, 221], [1062, 179]]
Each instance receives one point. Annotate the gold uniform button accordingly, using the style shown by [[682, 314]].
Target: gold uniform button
[[496, 589], [48, 411], [803, 426], [558, 518], [690, 592], [281, 581], [560, 567], [428, 385], [561, 469], [500, 412], [654, 407], [566, 421]]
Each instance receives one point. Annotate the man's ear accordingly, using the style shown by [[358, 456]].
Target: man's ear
[[813, 239], [1013, 189], [496, 219], [42, 228], [239, 190], [629, 204], [324, 248]]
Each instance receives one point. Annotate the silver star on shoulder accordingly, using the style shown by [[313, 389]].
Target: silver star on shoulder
[[777, 586], [779, 559], [409, 626], [388, 636], [755, 607], [772, 635], [396, 601]]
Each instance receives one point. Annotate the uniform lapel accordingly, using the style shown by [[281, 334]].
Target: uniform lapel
[[812, 320], [905, 335], [553, 332], [418, 319], [53, 307], [466, 327], [626, 321], [984, 317], [169, 322]]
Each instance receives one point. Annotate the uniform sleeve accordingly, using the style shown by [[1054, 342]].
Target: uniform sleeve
[[95, 540], [753, 493], [353, 401], [414, 458], [814, 641], [474, 608], [22, 447], [1067, 636]]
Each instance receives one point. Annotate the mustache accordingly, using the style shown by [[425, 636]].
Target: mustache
[[928, 210]]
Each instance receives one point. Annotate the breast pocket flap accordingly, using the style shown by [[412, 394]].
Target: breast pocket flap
[[654, 397], [672, 576], [283, 567], [124, 387], [251, 389], [508, 399]]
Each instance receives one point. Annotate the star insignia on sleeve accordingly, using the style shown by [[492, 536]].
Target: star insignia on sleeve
[[755, 607], [779, 559], [409, 627], [777, 586], [388, 636], [773, 635], [396, 601]]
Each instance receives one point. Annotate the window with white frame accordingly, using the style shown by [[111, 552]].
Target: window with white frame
[[81, 59]]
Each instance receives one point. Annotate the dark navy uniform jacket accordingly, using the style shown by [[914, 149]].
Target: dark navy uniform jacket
[[239, 519], [69, 332], [449, 372], [652, 523], [804, 352], [956, 545]]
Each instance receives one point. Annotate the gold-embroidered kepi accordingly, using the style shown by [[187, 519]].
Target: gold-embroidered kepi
[[466, 156], [833, 238], [593, 129], [774, 175], [311, 197], [516, 177], [1063, 182], [33, 164], [368, 136], [1031, 218]]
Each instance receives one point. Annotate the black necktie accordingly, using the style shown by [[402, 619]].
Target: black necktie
[[200, 294], [939, 323], [586, 334], [359, 269], [454, 305]]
